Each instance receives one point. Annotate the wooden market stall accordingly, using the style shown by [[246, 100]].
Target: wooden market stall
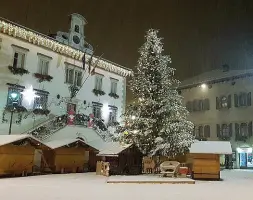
[[68, 156], [204, 158], [123, 160], [18, 154]]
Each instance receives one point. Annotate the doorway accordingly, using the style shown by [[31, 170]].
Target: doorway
[[71, 106]]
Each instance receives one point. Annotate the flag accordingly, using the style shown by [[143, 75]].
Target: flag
[[90, 62], [83, 60]]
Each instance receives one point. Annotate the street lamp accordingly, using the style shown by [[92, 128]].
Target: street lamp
[[14, 99], [29, 94]]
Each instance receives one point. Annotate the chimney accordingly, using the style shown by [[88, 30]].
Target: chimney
[[225, 68]]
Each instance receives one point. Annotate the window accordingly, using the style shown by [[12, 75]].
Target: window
[[98, 82], [242, 100], [97, 109], [76, 28], [19, 60], [224, 130], [69, 75], [73, 76], [201, 132], [223, 102], [113, 114], [18, 90], [78, 78], [244, 129], [43, 66], [198, 105], [41, 101], [19, 56], [114, 84]]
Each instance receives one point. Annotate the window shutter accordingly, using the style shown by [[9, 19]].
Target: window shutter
[[218, 130], [207, 104], [230, 129], [201, 131], [207, 131], [250, 129], [217, 103], [236, 100], [21, 58], [249, 99], [237, 129], [229, 101], [200, 105], [15, 61], [66, 75]]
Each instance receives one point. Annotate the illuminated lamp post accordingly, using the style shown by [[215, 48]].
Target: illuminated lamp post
[[14, 99], [29, 94]]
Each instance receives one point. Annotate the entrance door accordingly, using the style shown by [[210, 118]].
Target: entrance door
[[71, 106], [37, 159], [243, 160]]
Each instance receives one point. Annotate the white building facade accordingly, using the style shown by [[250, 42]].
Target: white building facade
[[221, 108], [55, 69]]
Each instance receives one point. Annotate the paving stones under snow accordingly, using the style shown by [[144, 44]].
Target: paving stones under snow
[[236, 185]]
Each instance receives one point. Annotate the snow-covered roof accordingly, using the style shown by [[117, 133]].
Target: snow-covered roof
[[8, 139], [60, 143], [90, 137], [215, 76], [211, 147], [69, 132], [112, 149], [15, 30]]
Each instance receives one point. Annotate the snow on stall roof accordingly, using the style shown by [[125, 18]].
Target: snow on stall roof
[[90, 137], [212, 75], [73, 132], [60, 143], [113, 149], [7, 139], [211, 147]]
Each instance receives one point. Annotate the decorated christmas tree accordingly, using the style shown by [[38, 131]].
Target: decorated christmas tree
[[157, 123]]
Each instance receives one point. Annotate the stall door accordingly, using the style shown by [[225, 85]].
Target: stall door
[[243, 160], [37, 158]]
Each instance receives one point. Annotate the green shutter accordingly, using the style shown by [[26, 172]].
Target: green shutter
[[217, 103], [229, 101], [237, 130], [218, 130], [236, 100], [250, 129], [249, 99], [230, 129]]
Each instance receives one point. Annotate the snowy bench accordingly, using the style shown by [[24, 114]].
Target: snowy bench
[[169, 168]]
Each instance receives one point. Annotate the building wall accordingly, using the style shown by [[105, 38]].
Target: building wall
[[215, 116], [56, 86]]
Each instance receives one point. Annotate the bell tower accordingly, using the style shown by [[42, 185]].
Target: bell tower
[[76, 32]]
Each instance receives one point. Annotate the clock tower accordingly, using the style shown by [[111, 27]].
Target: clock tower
[[75, 37]]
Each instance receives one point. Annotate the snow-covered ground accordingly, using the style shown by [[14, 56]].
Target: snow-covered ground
[[236, 185]]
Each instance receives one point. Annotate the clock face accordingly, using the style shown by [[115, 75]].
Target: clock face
[[76, 39]]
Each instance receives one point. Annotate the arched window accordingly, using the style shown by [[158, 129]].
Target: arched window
[[224, 130], [243, 129], [77, 28]]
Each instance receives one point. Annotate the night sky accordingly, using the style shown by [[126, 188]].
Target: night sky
[[199, 35]]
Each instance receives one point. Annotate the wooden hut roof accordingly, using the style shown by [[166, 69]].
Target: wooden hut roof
[[211, 147], [113, 149], [65, 142], [8, 139]]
